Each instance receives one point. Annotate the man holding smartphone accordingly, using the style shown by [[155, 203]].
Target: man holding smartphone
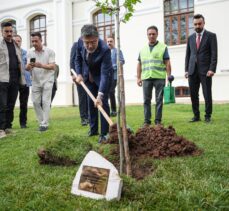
[[41, 63]]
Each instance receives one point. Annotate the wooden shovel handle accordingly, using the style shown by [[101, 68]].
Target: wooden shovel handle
[[110, 122]]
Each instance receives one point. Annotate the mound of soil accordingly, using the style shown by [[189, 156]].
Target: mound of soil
[[160, 142], [157, 142]]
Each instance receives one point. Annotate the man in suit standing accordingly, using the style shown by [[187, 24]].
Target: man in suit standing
[[200, 66], [93, 64]]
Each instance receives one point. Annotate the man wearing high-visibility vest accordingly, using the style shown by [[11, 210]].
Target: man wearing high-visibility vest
[[153, 65]]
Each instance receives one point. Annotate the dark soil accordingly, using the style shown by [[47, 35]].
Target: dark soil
[[155, 142], [47, 158]]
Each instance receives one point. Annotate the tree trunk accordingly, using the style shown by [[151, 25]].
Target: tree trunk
[[122, 97], [120, 136]]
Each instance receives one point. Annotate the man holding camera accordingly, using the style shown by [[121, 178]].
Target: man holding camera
[[41, 62]]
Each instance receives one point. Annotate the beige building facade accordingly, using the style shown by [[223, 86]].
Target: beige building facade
[[60, 22]]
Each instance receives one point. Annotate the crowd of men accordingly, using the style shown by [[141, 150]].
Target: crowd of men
[[95, 63]]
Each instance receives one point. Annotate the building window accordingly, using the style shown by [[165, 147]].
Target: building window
[[178, 21], [182, 91], [38, 24], [13, 22], [105, 24]]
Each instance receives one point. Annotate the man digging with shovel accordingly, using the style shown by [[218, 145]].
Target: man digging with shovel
[[93, 65]]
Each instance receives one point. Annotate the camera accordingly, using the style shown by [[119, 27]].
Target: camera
[[32, 60]]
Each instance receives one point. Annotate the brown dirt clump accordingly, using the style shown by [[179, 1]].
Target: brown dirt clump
[[48, 158], [157, 142], [160, 142], [113, 134]]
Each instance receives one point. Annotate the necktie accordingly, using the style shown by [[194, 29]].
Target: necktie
[[198, 41]]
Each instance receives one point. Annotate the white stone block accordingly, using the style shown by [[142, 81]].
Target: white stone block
[[97, 178]]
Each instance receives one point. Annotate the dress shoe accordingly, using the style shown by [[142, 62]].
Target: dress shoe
[[207, 119], [195, 119], [84, 122], [92, 133], [102, 139]]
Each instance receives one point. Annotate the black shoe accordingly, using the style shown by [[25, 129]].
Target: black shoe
[[23, 126], [92, 133], [195, 119], [84, 122], [207, 119], [102, 139], [43, 128], [113, 113]]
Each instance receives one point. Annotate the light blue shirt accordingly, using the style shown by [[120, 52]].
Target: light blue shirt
[[26, 73], [114, 60]]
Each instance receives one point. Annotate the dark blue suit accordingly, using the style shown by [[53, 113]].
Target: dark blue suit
[[101, 70]]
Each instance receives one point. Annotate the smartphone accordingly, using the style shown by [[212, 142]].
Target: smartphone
[[32, 60]]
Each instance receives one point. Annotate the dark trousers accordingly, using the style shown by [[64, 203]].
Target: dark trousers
[[23, 98], [93, 111], [148, 85], [8, 97], [112, 96], [194, 84], [83, 104]]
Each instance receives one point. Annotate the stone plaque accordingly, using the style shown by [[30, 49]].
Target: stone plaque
[[94, 179], [97, 178]]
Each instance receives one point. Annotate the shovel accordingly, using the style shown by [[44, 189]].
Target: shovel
[[110, 122]]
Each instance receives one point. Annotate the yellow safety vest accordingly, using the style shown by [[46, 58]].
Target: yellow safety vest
[[152, 63]]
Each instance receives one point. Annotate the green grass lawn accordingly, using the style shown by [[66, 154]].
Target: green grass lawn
[[184, 183]]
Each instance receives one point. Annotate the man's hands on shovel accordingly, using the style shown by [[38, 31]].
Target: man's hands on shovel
[[77, 78], [98, 100]]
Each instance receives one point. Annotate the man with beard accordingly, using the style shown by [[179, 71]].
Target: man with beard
[[111, 45], [11, 75], [93, 64], [200, 66]]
